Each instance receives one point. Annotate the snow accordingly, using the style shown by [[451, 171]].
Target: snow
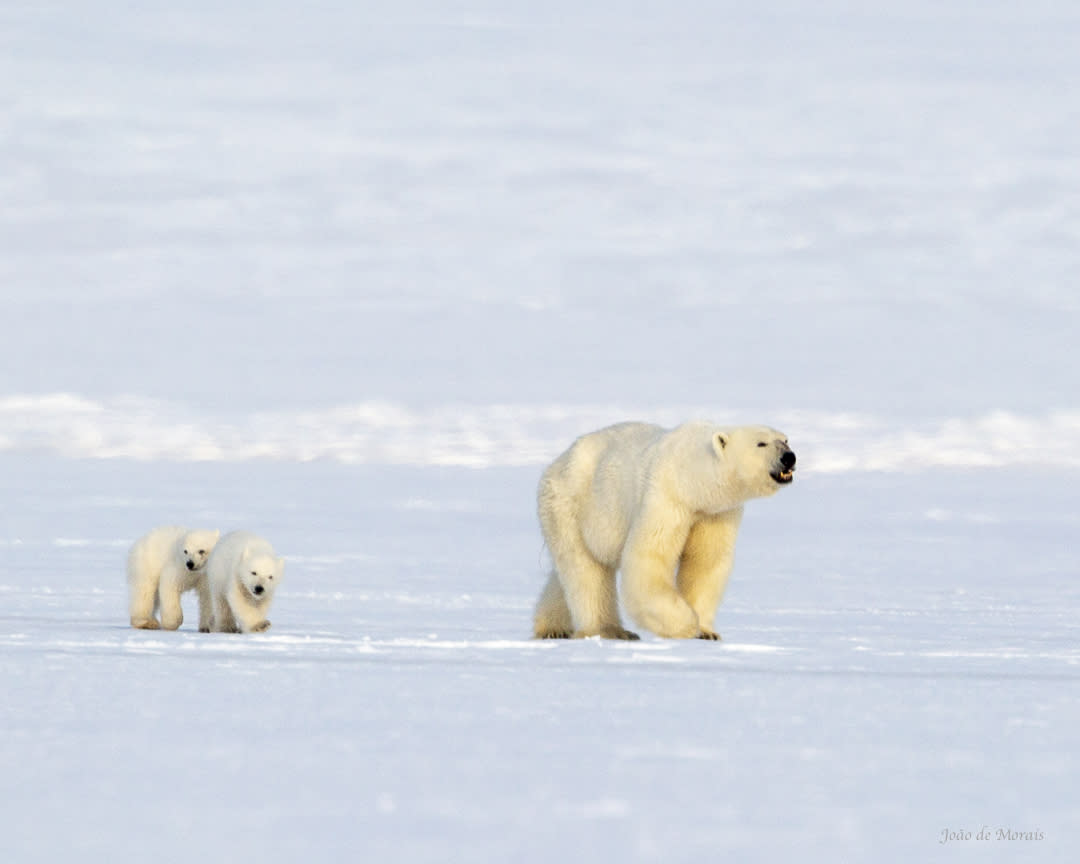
[[348, 275], [900, 656], [484, 436]]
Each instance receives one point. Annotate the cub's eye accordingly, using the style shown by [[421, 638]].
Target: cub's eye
[[253, 573], [271, 577], [762, 444], [185, 552], [202, 551]]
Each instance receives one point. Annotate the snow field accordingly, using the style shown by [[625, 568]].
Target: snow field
[[898, 659]]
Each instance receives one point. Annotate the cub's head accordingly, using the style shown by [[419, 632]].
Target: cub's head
[[757, 460], [260, 575], [196, 546]]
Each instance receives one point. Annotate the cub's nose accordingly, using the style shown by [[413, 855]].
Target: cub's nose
[[788, 460], [190, 565], [258, 589]]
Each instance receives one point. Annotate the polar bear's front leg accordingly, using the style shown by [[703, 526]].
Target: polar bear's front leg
[[249, 616], [206, 609], [221, 621], [706, 565], [169, 590], [142, 599], [648, 575]]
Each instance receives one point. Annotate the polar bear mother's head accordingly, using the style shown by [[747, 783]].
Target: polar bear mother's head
[[760, 456], [717, 468]]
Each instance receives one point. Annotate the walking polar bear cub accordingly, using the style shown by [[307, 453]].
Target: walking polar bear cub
[[661, 506], [161, 566], [243, 573]]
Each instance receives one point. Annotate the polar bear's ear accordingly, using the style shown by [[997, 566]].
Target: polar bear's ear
[[215, 535], [719, 442], [279, 564]]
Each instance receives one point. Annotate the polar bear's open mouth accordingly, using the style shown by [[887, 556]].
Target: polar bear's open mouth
[[783, 472]]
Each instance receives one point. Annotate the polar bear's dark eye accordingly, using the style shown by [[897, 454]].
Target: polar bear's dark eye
[[762, 444], [253, 573], [202, 551]]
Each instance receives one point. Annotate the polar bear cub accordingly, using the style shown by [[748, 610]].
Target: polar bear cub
[[663, 507], [161, 566], [243, 572]]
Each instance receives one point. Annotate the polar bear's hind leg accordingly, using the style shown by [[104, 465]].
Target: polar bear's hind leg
[[142, 599], [552, 618], [579, 598], [586, 587]]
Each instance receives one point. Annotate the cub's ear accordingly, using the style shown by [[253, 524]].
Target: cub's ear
[[216, 535], [719, 442], [280, 564]]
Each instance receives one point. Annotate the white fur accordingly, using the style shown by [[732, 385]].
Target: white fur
[[160, 567], [243, 574], [661, 506]]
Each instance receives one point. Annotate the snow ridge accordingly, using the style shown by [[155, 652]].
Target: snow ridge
[[480, 436]]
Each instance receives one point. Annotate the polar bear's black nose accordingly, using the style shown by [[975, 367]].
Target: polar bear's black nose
[[190, 565], [258, 589], [788, 460]]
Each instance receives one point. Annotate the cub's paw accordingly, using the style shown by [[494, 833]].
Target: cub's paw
[[205, 628], [553, 634], [711, 635], [260, 627]]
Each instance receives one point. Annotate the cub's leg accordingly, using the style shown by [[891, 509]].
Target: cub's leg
[[169, 590], [249, 617], [142, 598], [222, 620], [206, 608]]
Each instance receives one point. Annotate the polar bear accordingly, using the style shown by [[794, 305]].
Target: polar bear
[[161, 566], [243, 573], [661, 506]]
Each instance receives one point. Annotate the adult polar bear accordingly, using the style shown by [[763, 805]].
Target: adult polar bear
[[661, 506]]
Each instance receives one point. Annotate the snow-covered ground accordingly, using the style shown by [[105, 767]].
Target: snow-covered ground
[[901, 657], [347, 274]]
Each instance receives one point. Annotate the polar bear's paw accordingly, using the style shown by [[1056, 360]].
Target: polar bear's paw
[[553, 634], [619, 633], [612, 631], [711, 635], [260, 627], [145, 624]]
